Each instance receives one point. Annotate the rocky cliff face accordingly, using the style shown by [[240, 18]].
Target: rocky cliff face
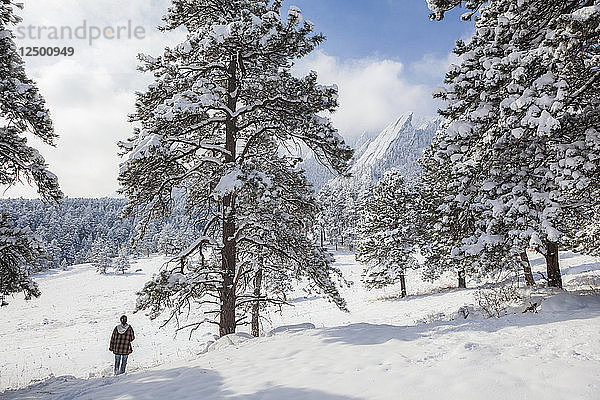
[[399, 145]]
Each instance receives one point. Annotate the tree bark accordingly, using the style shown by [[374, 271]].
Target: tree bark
[[228, 253], [227, 320], [402, 286], [462, 279], [527, 269], [552, 265], [256, 305]]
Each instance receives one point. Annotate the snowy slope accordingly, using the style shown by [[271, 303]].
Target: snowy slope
[[380, 350], [67, 329]]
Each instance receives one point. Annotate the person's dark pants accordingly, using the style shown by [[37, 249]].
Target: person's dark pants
[[120, 363]]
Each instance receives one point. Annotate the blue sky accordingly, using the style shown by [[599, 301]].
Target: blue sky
[[386, 57], [394, 29]]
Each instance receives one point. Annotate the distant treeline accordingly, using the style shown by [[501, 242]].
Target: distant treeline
[[71, 230]]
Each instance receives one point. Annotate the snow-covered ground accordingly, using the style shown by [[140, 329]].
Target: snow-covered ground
[[382, 349]]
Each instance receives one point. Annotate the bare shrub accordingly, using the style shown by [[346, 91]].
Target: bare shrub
[[495, 301]]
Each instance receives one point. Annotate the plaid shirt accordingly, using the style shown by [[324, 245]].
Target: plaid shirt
[[121, 343]]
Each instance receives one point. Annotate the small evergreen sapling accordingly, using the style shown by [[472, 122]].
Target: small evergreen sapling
[[121, 263], [100, 256]]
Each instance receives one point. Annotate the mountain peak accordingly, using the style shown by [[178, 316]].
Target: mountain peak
[[403, 121], [400, 144]]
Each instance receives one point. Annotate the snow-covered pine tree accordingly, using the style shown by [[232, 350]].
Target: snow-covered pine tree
[[573, 52], [165, 240], [440, 7], [351, 217], [332, 213], [275, 209], [227, 87], [276, 247], [122, 264], [444, 224], [339, 212], [100, 255], [20, 249], [22, 111], [53, 253], [462, 151], [520, 138], [388, 232]]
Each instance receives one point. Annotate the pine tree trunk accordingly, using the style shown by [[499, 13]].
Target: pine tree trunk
[[462, 279], [256, 305], [402, 286], [227, 295], [227, 320], [552, 265], [527, 269]]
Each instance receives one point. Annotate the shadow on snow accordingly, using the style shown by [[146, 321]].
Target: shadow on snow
[[176, 383], [365, 334]]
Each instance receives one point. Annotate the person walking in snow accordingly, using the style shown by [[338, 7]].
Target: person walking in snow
[[120, 344]]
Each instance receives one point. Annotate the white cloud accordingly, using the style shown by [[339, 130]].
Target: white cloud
[[432, 69], [91, 93], [373, 92]]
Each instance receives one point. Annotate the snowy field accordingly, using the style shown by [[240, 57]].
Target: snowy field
[[56, 347]]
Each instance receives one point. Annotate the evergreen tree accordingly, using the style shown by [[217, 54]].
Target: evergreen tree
[[122, 262], [19, 250], [351, 217], [276, 208], [440, 7], [444, 224], [274, 246], [573, 54], [521, 139], [334, 199], [226, 89], [100, 256], [389, 231], [22, 111], [53, 252]]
